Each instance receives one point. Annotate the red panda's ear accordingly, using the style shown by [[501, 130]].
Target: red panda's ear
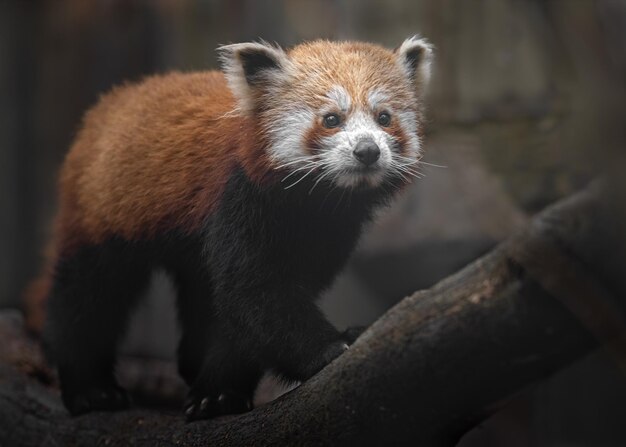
[[415, 57], [252, 68]]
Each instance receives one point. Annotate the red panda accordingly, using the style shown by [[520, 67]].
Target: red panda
[[250, 187]]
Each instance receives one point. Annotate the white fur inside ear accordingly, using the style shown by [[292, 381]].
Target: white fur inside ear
[[253, 67], [415, 56]]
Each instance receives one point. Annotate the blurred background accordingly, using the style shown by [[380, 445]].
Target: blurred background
[[526, 106]]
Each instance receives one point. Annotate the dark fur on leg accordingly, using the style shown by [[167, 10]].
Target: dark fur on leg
[[271, 253], [93, 293], [195, 304], [227, 380]]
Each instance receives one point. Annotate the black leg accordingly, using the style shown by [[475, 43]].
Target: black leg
[[227, 380], [295, 338], [93, 293], [196, 318], [351, 333], [256, 330], [221, 379]]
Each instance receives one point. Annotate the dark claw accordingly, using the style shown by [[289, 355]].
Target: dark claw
[[191, 409], [204, 404], [225, 403]]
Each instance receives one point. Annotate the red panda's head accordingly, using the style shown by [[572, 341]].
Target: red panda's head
[[343, 112]]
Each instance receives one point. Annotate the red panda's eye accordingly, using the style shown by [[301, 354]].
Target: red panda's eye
[[384, 119], [331, 120]]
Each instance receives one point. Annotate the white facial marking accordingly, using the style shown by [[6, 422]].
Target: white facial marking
[[377, 99], [408, 123], [340, 96], [287, 133]]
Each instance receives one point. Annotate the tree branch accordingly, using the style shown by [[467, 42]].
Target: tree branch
[[428, 370]]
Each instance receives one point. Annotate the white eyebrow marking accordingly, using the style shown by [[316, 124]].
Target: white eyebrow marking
[[341, 97], [376, 98]]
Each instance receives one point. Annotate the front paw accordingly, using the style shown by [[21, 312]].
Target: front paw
[[352, 333], [331, 352], [206, 406], [334, 350]]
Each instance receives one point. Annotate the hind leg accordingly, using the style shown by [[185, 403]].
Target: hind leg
[[91, 298]]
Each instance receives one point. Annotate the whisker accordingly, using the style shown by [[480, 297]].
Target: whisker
[[301, 178], [293, 162], [301, 168], [319, 178], [331, 190], [402, 169], [343, 191], [405, 160], [433, 165], [413, 174]]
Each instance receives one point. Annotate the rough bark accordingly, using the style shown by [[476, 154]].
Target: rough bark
[[425, 372]]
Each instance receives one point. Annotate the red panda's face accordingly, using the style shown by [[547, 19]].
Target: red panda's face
[[346, 113]]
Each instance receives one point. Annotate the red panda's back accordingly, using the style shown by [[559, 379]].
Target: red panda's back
[[150, 157]]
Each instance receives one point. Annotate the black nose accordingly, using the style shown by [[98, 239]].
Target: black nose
[[367, 152]]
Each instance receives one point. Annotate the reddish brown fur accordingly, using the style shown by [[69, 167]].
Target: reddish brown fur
[[356, 66], [315, 134], [395, 130]]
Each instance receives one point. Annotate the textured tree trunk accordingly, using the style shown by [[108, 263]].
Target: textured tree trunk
[[423, 374]]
